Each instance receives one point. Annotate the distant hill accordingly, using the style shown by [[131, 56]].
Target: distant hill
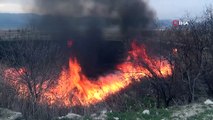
[[15, 21], [165, 23]]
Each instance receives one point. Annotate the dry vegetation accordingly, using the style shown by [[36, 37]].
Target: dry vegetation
[[191, 55]]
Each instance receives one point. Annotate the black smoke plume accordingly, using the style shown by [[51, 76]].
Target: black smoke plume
[[85, 21]]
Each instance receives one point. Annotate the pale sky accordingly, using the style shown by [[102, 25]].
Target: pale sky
[[15, 6], [171, 9], [165, 9]]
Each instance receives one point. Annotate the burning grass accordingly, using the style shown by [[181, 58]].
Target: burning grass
[[73, 88]]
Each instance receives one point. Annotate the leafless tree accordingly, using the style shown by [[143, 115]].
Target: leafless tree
[[193, 44], [34, 65]]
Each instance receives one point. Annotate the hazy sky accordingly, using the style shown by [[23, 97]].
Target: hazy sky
[[165, 9], [177, 8], [15, 6]]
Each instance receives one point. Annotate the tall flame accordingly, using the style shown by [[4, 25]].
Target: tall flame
[[74, 88]]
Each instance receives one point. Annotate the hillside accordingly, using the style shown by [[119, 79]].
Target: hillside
[[195, 111], [14, 21]]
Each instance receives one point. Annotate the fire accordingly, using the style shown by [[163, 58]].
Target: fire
[[175, 51], [72, 83], [69, 43], [15, 79], [74, 88]]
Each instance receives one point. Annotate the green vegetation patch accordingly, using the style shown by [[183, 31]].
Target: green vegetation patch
[[155, 114], [207, 115]]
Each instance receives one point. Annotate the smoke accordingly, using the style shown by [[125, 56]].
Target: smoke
[[74, 8], [84, 22]]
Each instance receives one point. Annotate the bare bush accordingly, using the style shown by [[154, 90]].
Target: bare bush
[[192, 60], [34, 68]]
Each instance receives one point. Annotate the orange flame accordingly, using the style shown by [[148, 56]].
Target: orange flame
[[74, 88]]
